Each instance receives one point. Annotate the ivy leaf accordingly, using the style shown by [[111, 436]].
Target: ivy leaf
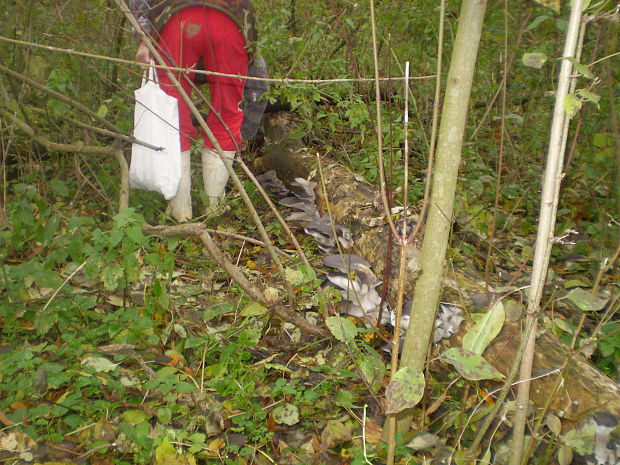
[[534, 59], [405, 390], [470, 365], [585, 300], [341, 328], [572, 105], [480, 336], [98, 364], [253, 309], [286, 414]]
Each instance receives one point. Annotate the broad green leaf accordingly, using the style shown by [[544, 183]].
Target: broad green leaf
[[372, 369], [134, 416], [286, 414], [575, 283], [581, 68], [585, 300], [534, 59], [111, 276], [554, 423], [164, 415], [589, 96], [165, 453], [341, 328], [553, 4], [98, 364], [335, 432], [480, 336], [253, 309], [538, 20], [471, 366], [405, 390], [581, 440], [565, 455], [572, 105], [293, 276], [59, 187], [423, 440]]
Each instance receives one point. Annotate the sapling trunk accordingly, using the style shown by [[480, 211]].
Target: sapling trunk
[[450, 141], [546, 226]]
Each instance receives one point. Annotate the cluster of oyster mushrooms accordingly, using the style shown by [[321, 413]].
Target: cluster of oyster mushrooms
[[353, 276]]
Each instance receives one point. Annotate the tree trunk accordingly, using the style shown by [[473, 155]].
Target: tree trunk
[[454, 116]]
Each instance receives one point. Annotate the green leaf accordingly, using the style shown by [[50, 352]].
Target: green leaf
[[335, 432], [98, 364], [254, 309], [286, 414], [341, 328], [405, 390], [534, 59], [372, 370], [59, 187], [164, 415], [565, 455], [581, 68], [589, 96], [585, 300], [572, 105], [581, 440], [111, 276], [134, 416], [293, 276], [471, 366], [538, 20], [165, 453], [480, 336]]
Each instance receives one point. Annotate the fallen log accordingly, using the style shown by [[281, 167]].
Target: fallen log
[[356, 204]]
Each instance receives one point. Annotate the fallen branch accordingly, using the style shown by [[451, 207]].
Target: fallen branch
[[199, 230]]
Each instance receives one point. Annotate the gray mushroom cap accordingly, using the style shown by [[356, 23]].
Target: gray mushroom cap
[[311, 215], [345, 262], [306, 188], [605, 420]]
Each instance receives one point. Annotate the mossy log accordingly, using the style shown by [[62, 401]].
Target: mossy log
[[356, 204]]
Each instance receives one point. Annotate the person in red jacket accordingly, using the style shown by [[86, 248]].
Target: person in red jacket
[[219, 34]]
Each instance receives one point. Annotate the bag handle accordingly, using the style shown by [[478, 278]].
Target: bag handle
[[150, 75]]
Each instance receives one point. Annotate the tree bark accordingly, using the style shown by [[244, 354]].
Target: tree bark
[[546, 226], [454, 116]]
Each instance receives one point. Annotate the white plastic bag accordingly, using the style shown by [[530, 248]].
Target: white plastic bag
[[156, 122]]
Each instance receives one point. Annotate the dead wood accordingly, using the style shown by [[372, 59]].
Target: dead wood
[[355, 203]]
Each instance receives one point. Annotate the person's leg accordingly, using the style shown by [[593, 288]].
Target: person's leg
[[180, 43], [223, 52]]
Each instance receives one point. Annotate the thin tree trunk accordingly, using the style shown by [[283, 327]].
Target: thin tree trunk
[[451, 132], [546, 227]]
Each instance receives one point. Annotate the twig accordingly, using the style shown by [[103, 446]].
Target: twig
[[208, 73], [500, 160], [55, 146], [192, 229], [379, 128]]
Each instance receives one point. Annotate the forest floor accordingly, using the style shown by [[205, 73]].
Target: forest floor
[[118, 348]]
